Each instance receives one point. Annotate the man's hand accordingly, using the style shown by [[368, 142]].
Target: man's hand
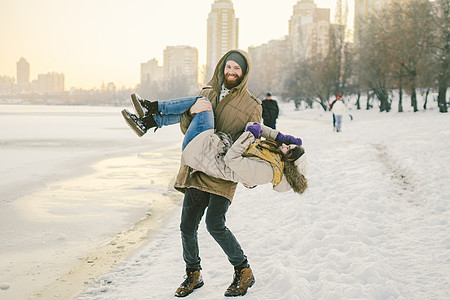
[[200, 105]]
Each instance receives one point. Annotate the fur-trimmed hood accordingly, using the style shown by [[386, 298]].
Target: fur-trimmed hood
[[295, 174]]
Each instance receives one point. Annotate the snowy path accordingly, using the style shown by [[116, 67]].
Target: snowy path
[[373, 225]]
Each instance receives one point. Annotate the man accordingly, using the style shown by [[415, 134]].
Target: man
[[233, 108], [270, 111]]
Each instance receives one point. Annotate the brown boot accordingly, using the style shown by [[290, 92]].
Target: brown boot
[[193, 280], [242, 280]]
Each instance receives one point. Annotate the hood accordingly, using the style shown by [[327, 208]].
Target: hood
[[218, 77], [295, 174], [302, 164]]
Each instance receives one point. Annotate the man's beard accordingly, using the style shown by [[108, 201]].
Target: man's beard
[[232, 82]]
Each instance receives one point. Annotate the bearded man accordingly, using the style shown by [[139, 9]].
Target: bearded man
[[233, 107]]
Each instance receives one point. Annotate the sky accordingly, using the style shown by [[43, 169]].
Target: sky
[[96, 41]]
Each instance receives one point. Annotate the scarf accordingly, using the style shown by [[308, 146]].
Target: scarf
[[223, 92], [273, 158]]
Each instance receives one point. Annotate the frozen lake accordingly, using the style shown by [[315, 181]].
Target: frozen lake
[[71, 179]]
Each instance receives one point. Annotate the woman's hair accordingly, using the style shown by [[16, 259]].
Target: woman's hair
[[295, 179], [291, 155]]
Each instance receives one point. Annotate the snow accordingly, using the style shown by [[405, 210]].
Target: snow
[[374, 223]]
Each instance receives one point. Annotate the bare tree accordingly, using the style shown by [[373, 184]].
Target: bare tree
[[397, 46], [311, 80], [439, 47], [410, 32], [375, 64]]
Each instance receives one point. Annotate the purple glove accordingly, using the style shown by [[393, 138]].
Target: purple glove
[[288, 139], [255, 129]]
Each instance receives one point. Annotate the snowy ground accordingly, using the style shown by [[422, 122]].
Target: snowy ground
[[70, 182], [374, 223]]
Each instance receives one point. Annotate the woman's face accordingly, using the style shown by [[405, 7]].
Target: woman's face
[[285, 148]]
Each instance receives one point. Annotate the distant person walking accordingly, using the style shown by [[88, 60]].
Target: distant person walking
[[331, 109], [339, 109], [270, 111]]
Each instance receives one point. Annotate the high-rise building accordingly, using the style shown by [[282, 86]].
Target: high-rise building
[[181, 64], [222, 33], [152, 79], [151, 71], [7, 85], [309, 29], [23, 75], [269, 61], [363, 10], [50, 83]]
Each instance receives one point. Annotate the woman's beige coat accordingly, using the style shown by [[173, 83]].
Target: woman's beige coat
[[205, 153], [231, 115]]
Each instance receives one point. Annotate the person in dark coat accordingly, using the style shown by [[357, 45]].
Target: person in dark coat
[[270, 111]]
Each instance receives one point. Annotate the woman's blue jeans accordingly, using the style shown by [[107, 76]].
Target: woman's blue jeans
[[172, 110]]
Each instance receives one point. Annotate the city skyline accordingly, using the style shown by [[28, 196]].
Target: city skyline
[[93, 44]]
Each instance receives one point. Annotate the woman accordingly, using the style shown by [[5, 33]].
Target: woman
[[278, 159]]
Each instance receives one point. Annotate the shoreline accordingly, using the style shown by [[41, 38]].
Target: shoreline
[[64, 169], [107, 257], [75, 179], [60, 252]]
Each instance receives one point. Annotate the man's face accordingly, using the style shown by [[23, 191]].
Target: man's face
[[233, 74]]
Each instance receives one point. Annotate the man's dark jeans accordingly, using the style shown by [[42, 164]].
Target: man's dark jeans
[[194, 205]]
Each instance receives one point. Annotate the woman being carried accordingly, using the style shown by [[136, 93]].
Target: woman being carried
[[279, 159]]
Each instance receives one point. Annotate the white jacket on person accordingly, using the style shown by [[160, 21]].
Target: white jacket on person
[[339, 108]]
